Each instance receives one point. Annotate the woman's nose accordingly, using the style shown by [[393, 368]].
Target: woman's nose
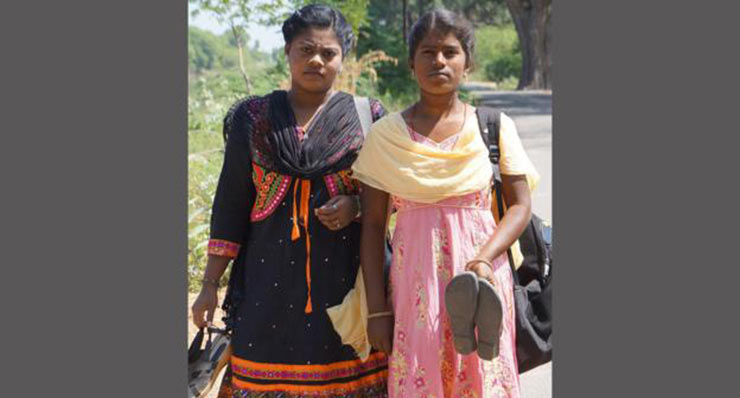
[[315, 60], [439, 59]]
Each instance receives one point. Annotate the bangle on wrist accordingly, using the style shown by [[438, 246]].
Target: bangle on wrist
[[379, 314], [479, 260]]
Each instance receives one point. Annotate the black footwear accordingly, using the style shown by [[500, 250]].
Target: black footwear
[[204, 365], [461, 300], [488, 317]]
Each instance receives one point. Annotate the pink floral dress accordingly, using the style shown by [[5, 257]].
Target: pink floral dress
[[431, 244]]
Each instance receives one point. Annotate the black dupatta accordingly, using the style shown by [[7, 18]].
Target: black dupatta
[[332, 141]]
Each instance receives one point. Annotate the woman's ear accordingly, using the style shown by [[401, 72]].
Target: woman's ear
[[287, 49]]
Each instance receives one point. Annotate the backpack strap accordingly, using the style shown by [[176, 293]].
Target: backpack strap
[[362, 105], [489, 120]]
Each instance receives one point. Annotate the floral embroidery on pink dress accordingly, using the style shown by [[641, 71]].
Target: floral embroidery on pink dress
[[431, 244]]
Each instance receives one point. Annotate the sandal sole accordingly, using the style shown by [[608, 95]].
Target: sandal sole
[[488, 319], [461, 300]]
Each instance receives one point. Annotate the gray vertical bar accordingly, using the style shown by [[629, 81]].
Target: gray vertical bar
[[644, 107], [94, 198]]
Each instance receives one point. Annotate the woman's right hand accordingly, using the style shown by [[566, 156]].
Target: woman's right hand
[[204, 307], [380, 333]]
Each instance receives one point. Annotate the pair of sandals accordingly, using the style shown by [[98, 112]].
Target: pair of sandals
[[472, 302], [205, 364]]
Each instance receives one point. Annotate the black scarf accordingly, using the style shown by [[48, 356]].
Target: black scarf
[[332, 141]]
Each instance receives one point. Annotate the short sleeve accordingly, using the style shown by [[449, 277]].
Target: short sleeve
[[235, 191], [514, 159], [376, 109]]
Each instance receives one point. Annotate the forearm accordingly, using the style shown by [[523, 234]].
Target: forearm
[[372, 255], [215, 267], [372, 247], [507, 232]]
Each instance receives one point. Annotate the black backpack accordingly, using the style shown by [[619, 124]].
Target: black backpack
[[532, 280]]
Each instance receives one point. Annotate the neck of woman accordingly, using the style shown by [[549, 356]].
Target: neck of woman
[[438, 105], [302, 99]]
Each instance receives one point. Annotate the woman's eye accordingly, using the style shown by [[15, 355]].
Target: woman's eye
[[306, 50], [329, 54]]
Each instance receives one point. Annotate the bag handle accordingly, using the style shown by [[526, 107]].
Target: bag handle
[[362, 105], [489, 122], [194, 351]]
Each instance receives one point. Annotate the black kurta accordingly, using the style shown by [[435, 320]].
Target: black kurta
[[282, 345]]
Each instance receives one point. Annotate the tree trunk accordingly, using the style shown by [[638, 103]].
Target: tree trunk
[[532, 21], [405, 20], [242, 69], [247, 82]]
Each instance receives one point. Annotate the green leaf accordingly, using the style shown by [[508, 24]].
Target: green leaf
[[197, 230], [196, 213]]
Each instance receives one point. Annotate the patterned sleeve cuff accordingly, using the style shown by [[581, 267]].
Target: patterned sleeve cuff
[[377, 109], [218, 247]]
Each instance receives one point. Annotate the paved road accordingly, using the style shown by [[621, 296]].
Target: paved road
[[532, 113]]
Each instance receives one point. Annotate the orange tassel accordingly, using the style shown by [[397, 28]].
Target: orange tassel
[[296, 232], [305, 196]]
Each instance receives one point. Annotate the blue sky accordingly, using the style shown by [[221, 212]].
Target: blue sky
[[269, 37]]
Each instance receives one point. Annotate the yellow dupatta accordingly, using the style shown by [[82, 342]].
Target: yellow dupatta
[[393, 162]]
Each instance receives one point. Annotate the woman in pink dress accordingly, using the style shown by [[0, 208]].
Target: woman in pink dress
[[430, 164]]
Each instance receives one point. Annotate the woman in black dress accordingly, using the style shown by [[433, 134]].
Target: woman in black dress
[[285, 211]]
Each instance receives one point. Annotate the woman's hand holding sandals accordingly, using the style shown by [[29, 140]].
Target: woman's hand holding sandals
[[482, 269]]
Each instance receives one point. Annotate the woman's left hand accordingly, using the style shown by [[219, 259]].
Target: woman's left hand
[[338, 212], [482, 270]]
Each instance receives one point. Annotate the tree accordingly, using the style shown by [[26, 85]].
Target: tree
[[207, 50], [237, 14], [491, 12], [405, 16], [532, 21], [421, 7], [202, 49], [386, 33]]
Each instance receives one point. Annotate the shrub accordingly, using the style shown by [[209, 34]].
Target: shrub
[[498, 55], [503, 66]]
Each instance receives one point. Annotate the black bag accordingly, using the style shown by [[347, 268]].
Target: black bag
[[532, 281]]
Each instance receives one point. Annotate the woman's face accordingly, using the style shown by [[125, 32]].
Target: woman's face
[[439, 63], [315, 59]]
